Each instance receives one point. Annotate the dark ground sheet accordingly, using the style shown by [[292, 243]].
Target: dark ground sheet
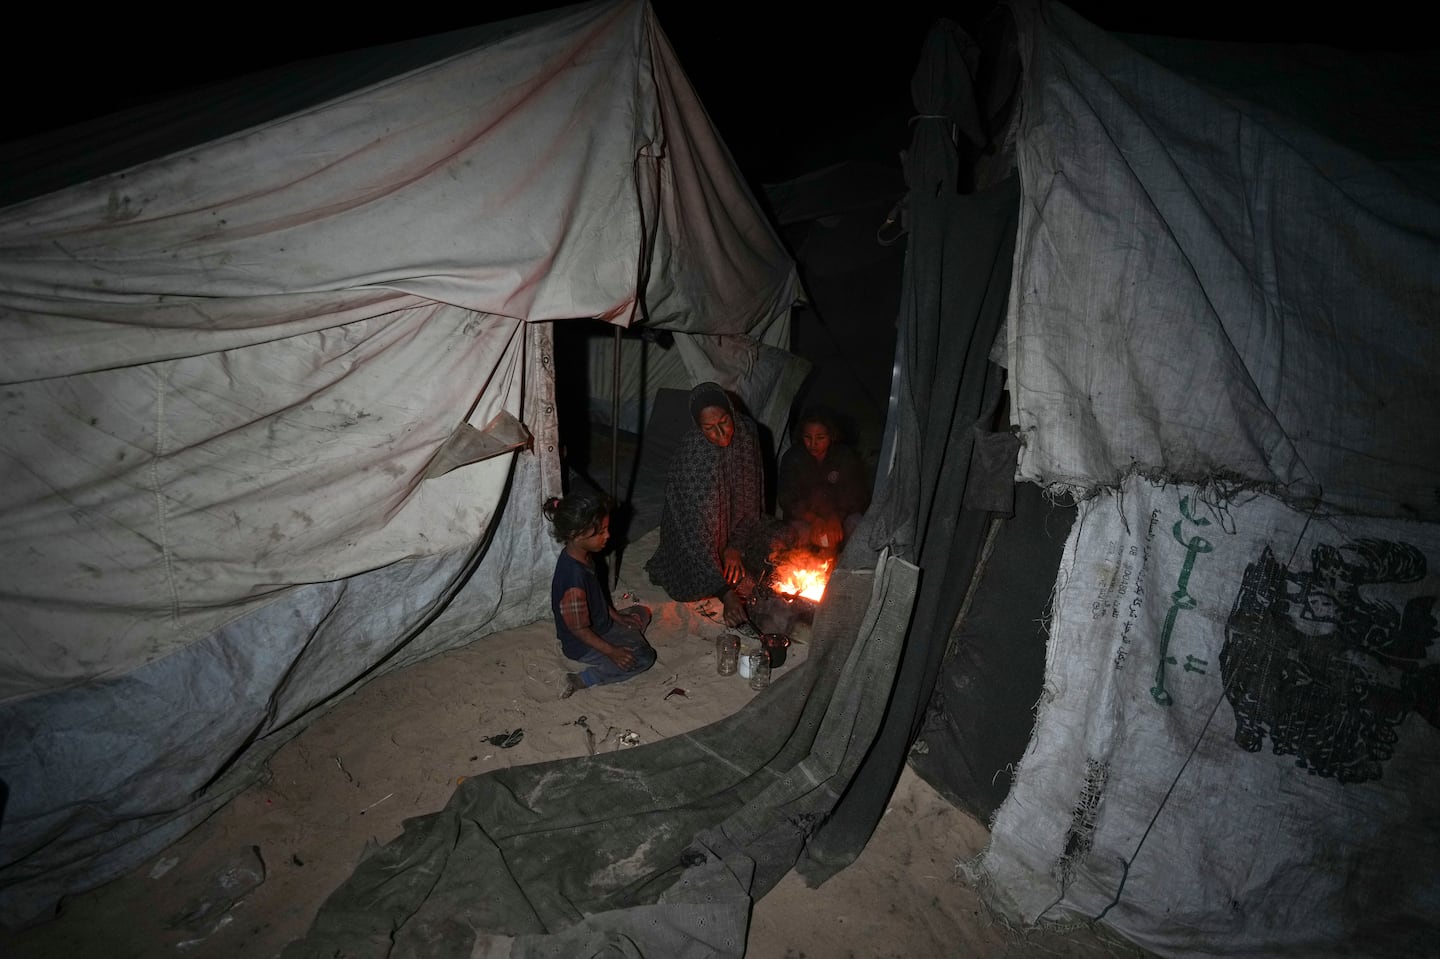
[[655, 851]]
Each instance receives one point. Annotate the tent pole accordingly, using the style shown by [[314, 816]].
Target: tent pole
[[615, 444]]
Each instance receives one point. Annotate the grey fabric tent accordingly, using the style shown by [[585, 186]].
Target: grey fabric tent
[[279, 387], [1219, 340]]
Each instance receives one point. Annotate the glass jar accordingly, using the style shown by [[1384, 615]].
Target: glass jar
[[759, 660], [727, 654]]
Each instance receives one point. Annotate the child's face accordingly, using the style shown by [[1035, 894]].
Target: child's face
[[594, 539], [816, 439]]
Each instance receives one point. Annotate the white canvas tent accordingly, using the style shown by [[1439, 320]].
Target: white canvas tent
[[279, 401]]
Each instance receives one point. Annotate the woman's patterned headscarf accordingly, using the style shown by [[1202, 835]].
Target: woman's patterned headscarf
[[706, 395]]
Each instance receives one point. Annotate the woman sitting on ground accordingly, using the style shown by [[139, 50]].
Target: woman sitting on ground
[[824, 485], [713, 518]]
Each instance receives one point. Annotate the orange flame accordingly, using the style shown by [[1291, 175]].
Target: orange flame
[[801, 577]]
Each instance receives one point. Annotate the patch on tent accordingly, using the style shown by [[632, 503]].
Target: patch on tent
[[1325, 670]]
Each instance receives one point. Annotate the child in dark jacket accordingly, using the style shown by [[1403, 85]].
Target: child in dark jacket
[[610, 642], [824, 485]]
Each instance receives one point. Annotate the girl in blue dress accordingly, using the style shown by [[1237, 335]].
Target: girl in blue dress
[[609, 642]]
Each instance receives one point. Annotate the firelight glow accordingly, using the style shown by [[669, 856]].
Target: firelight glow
[[797, 577]]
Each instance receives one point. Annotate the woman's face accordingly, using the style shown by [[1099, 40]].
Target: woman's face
[[716, 425], [816, 439]]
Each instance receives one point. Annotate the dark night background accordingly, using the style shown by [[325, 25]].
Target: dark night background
[[790, 90]]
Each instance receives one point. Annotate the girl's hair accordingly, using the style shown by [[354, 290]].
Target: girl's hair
[[577, 513]]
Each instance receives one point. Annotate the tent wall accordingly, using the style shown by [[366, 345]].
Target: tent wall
[[153, 504], [1236, 749], [102, 772], [228, 370], [1219, 285], [1207, 287]]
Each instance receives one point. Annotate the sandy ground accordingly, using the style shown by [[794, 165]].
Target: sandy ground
[[397, 748]]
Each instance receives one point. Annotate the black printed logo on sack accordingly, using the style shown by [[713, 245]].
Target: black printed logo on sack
[[1328, 660]]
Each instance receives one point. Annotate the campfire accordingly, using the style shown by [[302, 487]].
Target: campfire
[[801, 574], [790, 592]]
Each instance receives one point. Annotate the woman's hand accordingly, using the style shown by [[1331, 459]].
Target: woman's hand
[[734, 565], [734, 609]]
